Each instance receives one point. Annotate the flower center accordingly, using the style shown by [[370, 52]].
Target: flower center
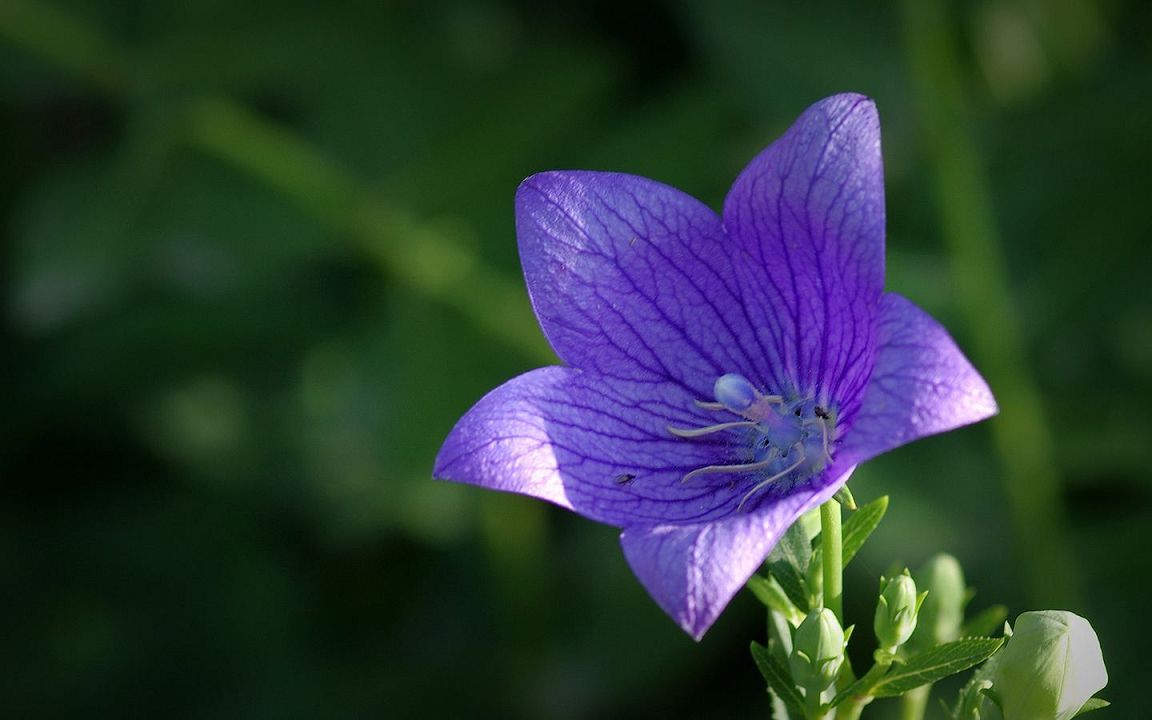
[[777, 437]]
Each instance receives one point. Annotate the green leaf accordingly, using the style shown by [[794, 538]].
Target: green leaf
[[1092, 704], [779, 680], [768, 591], [985, 622], [788, 562], [860, 525], [936, 664], [792, 583], [795, 549]]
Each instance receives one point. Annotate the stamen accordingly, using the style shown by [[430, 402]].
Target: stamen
[[762, 484], [749, 467], [823, 429], [773, 430], [697, 432]]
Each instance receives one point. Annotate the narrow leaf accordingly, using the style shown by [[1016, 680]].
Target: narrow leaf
[[936, 664], [768, 591], [794, 549], [985, 622], [788, 562], [779, 680], [792, 584], [1092, 704], [860, 525]]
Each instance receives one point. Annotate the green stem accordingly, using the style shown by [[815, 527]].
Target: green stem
[[849, 710], [914, 702], [831, 547], [854, 704]]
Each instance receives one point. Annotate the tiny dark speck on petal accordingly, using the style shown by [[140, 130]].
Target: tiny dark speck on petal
[[625, 478]]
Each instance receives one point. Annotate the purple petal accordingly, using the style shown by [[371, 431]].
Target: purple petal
[[632, 278], [693, 571], [922, 384], [808, 214], [593, 444]]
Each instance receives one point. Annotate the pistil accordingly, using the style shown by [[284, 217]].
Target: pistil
[[773, 429]]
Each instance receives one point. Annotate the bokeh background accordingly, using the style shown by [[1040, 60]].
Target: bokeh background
[[257, 258]]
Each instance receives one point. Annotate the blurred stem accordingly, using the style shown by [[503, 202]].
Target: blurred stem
[[914, 702], [515, 533], [832, 557], [429, 259], [1032, 483], [849, 711], [423, 257], [65, 41]]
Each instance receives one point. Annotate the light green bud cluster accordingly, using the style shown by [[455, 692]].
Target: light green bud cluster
[[817, 650], [896, 611], [1050, 667]]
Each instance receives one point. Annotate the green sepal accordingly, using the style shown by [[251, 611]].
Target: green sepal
[[1092, 704], [990, 693], [844, 497], [936, 664], [971, 698], [985, 622], [779, 680], [768, 591]]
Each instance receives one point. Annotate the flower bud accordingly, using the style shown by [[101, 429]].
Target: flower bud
[[896, 611], [817, 650], [1050, 667], [942, 615]]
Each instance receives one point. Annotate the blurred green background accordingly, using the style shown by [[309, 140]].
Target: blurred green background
[[257, 258]]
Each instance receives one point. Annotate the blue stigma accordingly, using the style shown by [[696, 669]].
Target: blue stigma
[[734, 392], [776, 438]]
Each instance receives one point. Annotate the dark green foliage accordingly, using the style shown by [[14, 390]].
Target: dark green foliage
[[256, 259], [779, 680]]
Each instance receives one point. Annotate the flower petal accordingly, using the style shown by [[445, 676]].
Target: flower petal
[[922, 384], [808, 215], [693, 571], [593, 444], [631, 278]]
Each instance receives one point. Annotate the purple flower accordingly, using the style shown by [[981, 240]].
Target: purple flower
[[723, 374]]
